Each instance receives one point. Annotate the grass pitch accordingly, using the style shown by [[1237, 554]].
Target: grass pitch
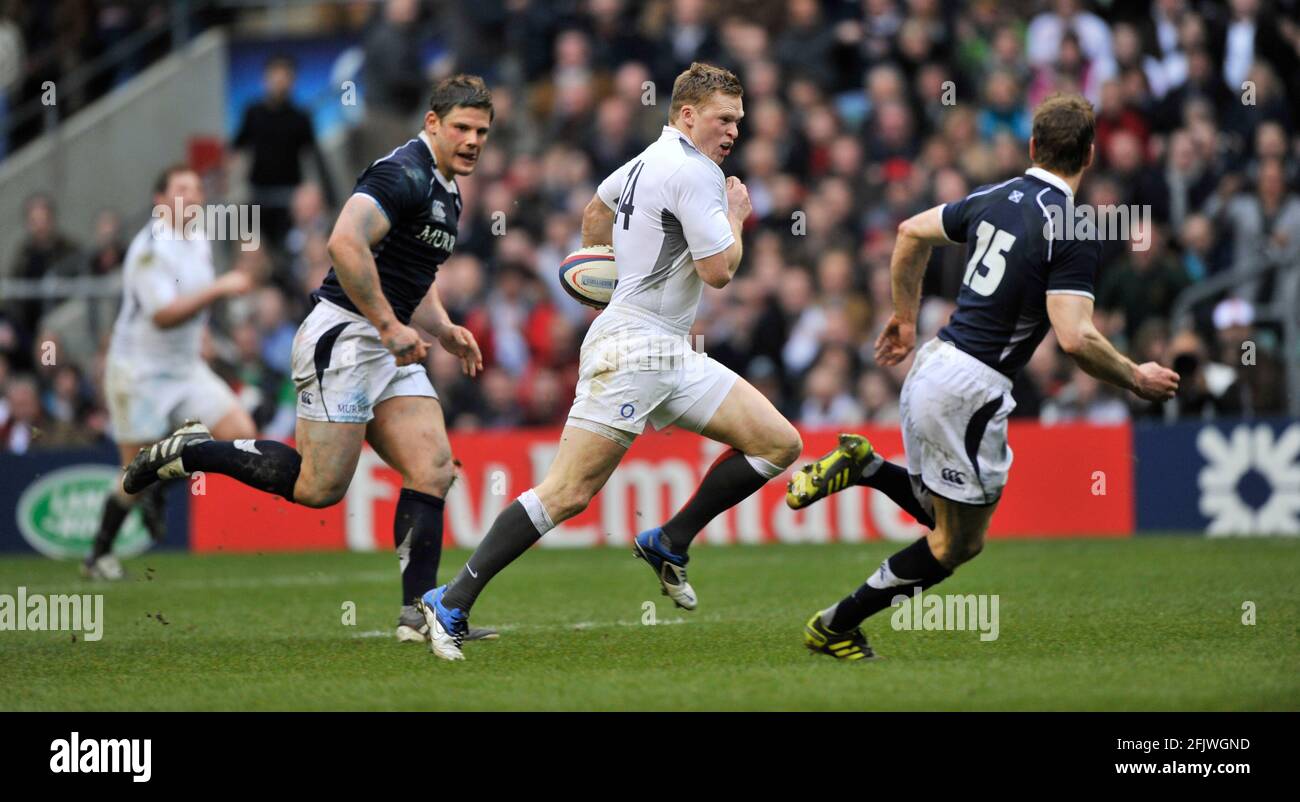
[[1141, 624]]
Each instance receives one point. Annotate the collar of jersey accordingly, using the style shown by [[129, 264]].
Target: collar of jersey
[[450, 186], [668, 129], [1050, 178]]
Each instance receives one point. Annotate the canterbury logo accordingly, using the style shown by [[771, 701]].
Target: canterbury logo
[[953, 476]]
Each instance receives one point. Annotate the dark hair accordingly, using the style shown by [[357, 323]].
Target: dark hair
[[281, 60], [165, 177], [1064, 127], [696, 85], [459, 91]]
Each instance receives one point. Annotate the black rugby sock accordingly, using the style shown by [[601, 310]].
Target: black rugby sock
[[270, 466], [894, 481], [417, 535], [912, 567]]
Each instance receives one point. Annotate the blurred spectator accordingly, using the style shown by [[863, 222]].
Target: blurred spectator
[[1205, 388], [395, 83], [1264, 225], [45, 251], [1261, 383], [279, 133], [1066, 28], [21, 419], [827, 401], [1143, 286], [109, 247]]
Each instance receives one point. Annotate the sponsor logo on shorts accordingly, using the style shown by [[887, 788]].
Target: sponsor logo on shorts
[[352, 409], [627, 410], [953, 476], [305, 397]]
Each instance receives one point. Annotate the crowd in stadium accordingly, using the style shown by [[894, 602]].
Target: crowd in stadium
[[858, 115]]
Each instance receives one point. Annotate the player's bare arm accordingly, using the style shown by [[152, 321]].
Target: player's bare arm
[[917, 236], [459, 341], [360, 225], [597, 223], [228, 285], [718, 270], [1071, 317]]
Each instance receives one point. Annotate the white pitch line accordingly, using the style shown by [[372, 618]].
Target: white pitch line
[[137, 580], [579, 626]]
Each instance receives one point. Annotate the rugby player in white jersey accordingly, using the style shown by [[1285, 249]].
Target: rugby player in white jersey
[[675, 224], [155, 377], [358, 360]]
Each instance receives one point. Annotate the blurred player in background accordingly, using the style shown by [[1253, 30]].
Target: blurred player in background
[[155, 375], [1023, 276], [675, 223], [358, 363]]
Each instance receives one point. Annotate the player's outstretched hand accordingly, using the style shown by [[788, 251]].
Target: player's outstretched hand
[[895, 342], [458, 341], [404, 343], [1155, 382]]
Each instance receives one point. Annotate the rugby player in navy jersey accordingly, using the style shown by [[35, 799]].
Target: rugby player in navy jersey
[[358, 358], [1024, 275]]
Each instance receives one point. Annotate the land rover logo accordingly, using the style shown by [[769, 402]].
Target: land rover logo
[[59, 513]]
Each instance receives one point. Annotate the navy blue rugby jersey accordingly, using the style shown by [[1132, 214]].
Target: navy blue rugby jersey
[[423, 209], [1017, 254]]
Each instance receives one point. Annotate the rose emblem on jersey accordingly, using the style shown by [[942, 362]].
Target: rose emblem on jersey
[[1251, 480]]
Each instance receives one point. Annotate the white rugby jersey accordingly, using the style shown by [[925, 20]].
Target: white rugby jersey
[[670, 208], [155, 273]]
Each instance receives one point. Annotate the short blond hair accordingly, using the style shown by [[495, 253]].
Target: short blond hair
[[696, 85]]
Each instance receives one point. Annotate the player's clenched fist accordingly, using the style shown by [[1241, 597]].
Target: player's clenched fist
[[1155, 382], [404, 343], [738, 198]]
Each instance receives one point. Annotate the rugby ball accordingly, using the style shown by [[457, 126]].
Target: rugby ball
[[589, 275]]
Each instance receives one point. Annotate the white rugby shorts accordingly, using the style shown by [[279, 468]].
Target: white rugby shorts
[[632, 371], [341, 370], [954, 420], [146, 404]]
